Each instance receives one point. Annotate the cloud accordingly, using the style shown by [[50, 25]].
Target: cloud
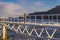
[[8, 8], [11, 9]]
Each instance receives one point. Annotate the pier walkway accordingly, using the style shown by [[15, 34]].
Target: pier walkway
[[33, 29]]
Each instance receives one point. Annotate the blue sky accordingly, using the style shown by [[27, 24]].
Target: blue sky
[[41, 5], [34, 5]]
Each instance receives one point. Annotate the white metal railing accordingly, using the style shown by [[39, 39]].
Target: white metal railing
[[32, 30], [35, 18], [30, 33]]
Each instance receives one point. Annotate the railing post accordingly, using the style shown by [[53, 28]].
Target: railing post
[[52, 18], [4, 32], [21, 19], [35, 18], [18, 19], [42, 17], [48, 19], [29, 18], [57, 18], [14, 19]]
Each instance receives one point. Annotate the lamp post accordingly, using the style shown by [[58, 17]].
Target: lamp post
[[25, 17]]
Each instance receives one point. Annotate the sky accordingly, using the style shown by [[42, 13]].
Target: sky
[[19, 7]]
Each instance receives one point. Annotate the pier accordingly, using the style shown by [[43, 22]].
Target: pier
[[46, 24]]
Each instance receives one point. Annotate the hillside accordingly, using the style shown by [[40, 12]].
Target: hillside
[[54, 10]]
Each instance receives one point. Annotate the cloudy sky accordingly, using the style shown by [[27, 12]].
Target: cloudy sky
[[19, 7]]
